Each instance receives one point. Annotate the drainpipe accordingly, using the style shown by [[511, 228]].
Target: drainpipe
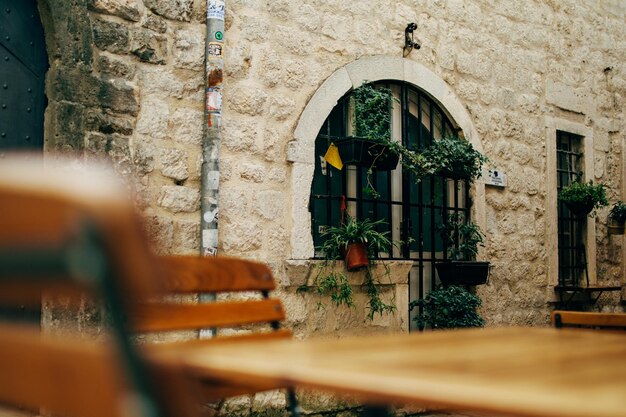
[[214, 65]]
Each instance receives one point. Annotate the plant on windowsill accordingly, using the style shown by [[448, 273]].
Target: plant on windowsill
[[582, 198], [463, 239], [355, 242], [617, 218], [448, 308]]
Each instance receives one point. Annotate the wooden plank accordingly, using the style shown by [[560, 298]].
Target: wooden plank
[[527, 372], [65, 376], [161, 316], [589, 319], [193, 274], [219, 339]]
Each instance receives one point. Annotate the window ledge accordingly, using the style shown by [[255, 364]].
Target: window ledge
[[303, 272]]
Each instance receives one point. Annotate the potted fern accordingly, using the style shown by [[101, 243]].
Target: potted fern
[[617, 218], [356, 242], [582, 198], [463, 239], [448, 308]]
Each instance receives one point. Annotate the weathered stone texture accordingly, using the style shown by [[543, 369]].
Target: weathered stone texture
[[179, 199], [171, 9]]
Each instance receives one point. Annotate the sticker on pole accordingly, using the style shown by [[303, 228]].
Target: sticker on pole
[[215, 49], [219, 35], [216, 9]]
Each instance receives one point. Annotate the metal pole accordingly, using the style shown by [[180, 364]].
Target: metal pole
[[214, 65]]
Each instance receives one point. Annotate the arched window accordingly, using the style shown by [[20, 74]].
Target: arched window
[[412, 210]]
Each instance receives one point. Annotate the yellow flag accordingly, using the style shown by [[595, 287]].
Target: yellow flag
[[332, 157]]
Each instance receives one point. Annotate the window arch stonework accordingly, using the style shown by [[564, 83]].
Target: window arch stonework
[[369, 69]]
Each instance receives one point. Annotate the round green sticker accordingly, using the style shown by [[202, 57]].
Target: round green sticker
[[219, 36]]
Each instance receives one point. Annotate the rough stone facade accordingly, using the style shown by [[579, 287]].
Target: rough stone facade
[[127, 81]]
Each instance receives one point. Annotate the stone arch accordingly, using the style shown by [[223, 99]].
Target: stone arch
[[69, 40], [373, 68]]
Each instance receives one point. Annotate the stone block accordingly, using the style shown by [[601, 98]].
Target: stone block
[[149, 46], [179, 199], [161, 82], [247, 100], [118, 96], [174, 10], [281, 107], [153, 119], [293, 74], [374, 69], [174, 164], [126, 9], [188, 50], [154, 23], [239, 239], [187, 234], [186, 126], [239, 134], [115, 66], [271, 205], [161, 231], [145, 155], [253, 172], [110, 147], [575, 99], [110, 36], [98, 121]]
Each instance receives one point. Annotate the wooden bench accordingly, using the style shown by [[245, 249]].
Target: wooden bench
[[73, 235], [589, 320], [255, 318]]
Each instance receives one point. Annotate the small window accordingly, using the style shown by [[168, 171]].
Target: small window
[[571, 229]]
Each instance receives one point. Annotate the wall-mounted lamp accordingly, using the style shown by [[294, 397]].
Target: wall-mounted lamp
[[409, 43]]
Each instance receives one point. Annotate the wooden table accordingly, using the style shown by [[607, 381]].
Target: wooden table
[[510, 371]]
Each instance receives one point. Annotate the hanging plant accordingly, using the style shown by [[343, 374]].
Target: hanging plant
[[456, 158], [582, 198]]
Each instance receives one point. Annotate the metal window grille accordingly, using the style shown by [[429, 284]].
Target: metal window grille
[[572, 260], [412, 210]]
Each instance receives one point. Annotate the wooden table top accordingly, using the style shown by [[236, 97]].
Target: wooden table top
[[506, 371]]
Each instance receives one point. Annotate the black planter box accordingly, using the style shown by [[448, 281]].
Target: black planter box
[[463, 272], [366, 154], [579, 209]]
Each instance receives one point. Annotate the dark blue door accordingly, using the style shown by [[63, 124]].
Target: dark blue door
[[23, 65]]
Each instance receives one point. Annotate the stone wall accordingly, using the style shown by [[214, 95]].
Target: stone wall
[[513, 66], [126, 82]]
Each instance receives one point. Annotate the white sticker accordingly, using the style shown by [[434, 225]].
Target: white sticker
[[215, 9]]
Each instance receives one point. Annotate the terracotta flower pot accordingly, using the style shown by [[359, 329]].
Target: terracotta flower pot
[[356, 257]]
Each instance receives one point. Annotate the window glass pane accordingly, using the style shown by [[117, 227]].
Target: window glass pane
[[438, 124]]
